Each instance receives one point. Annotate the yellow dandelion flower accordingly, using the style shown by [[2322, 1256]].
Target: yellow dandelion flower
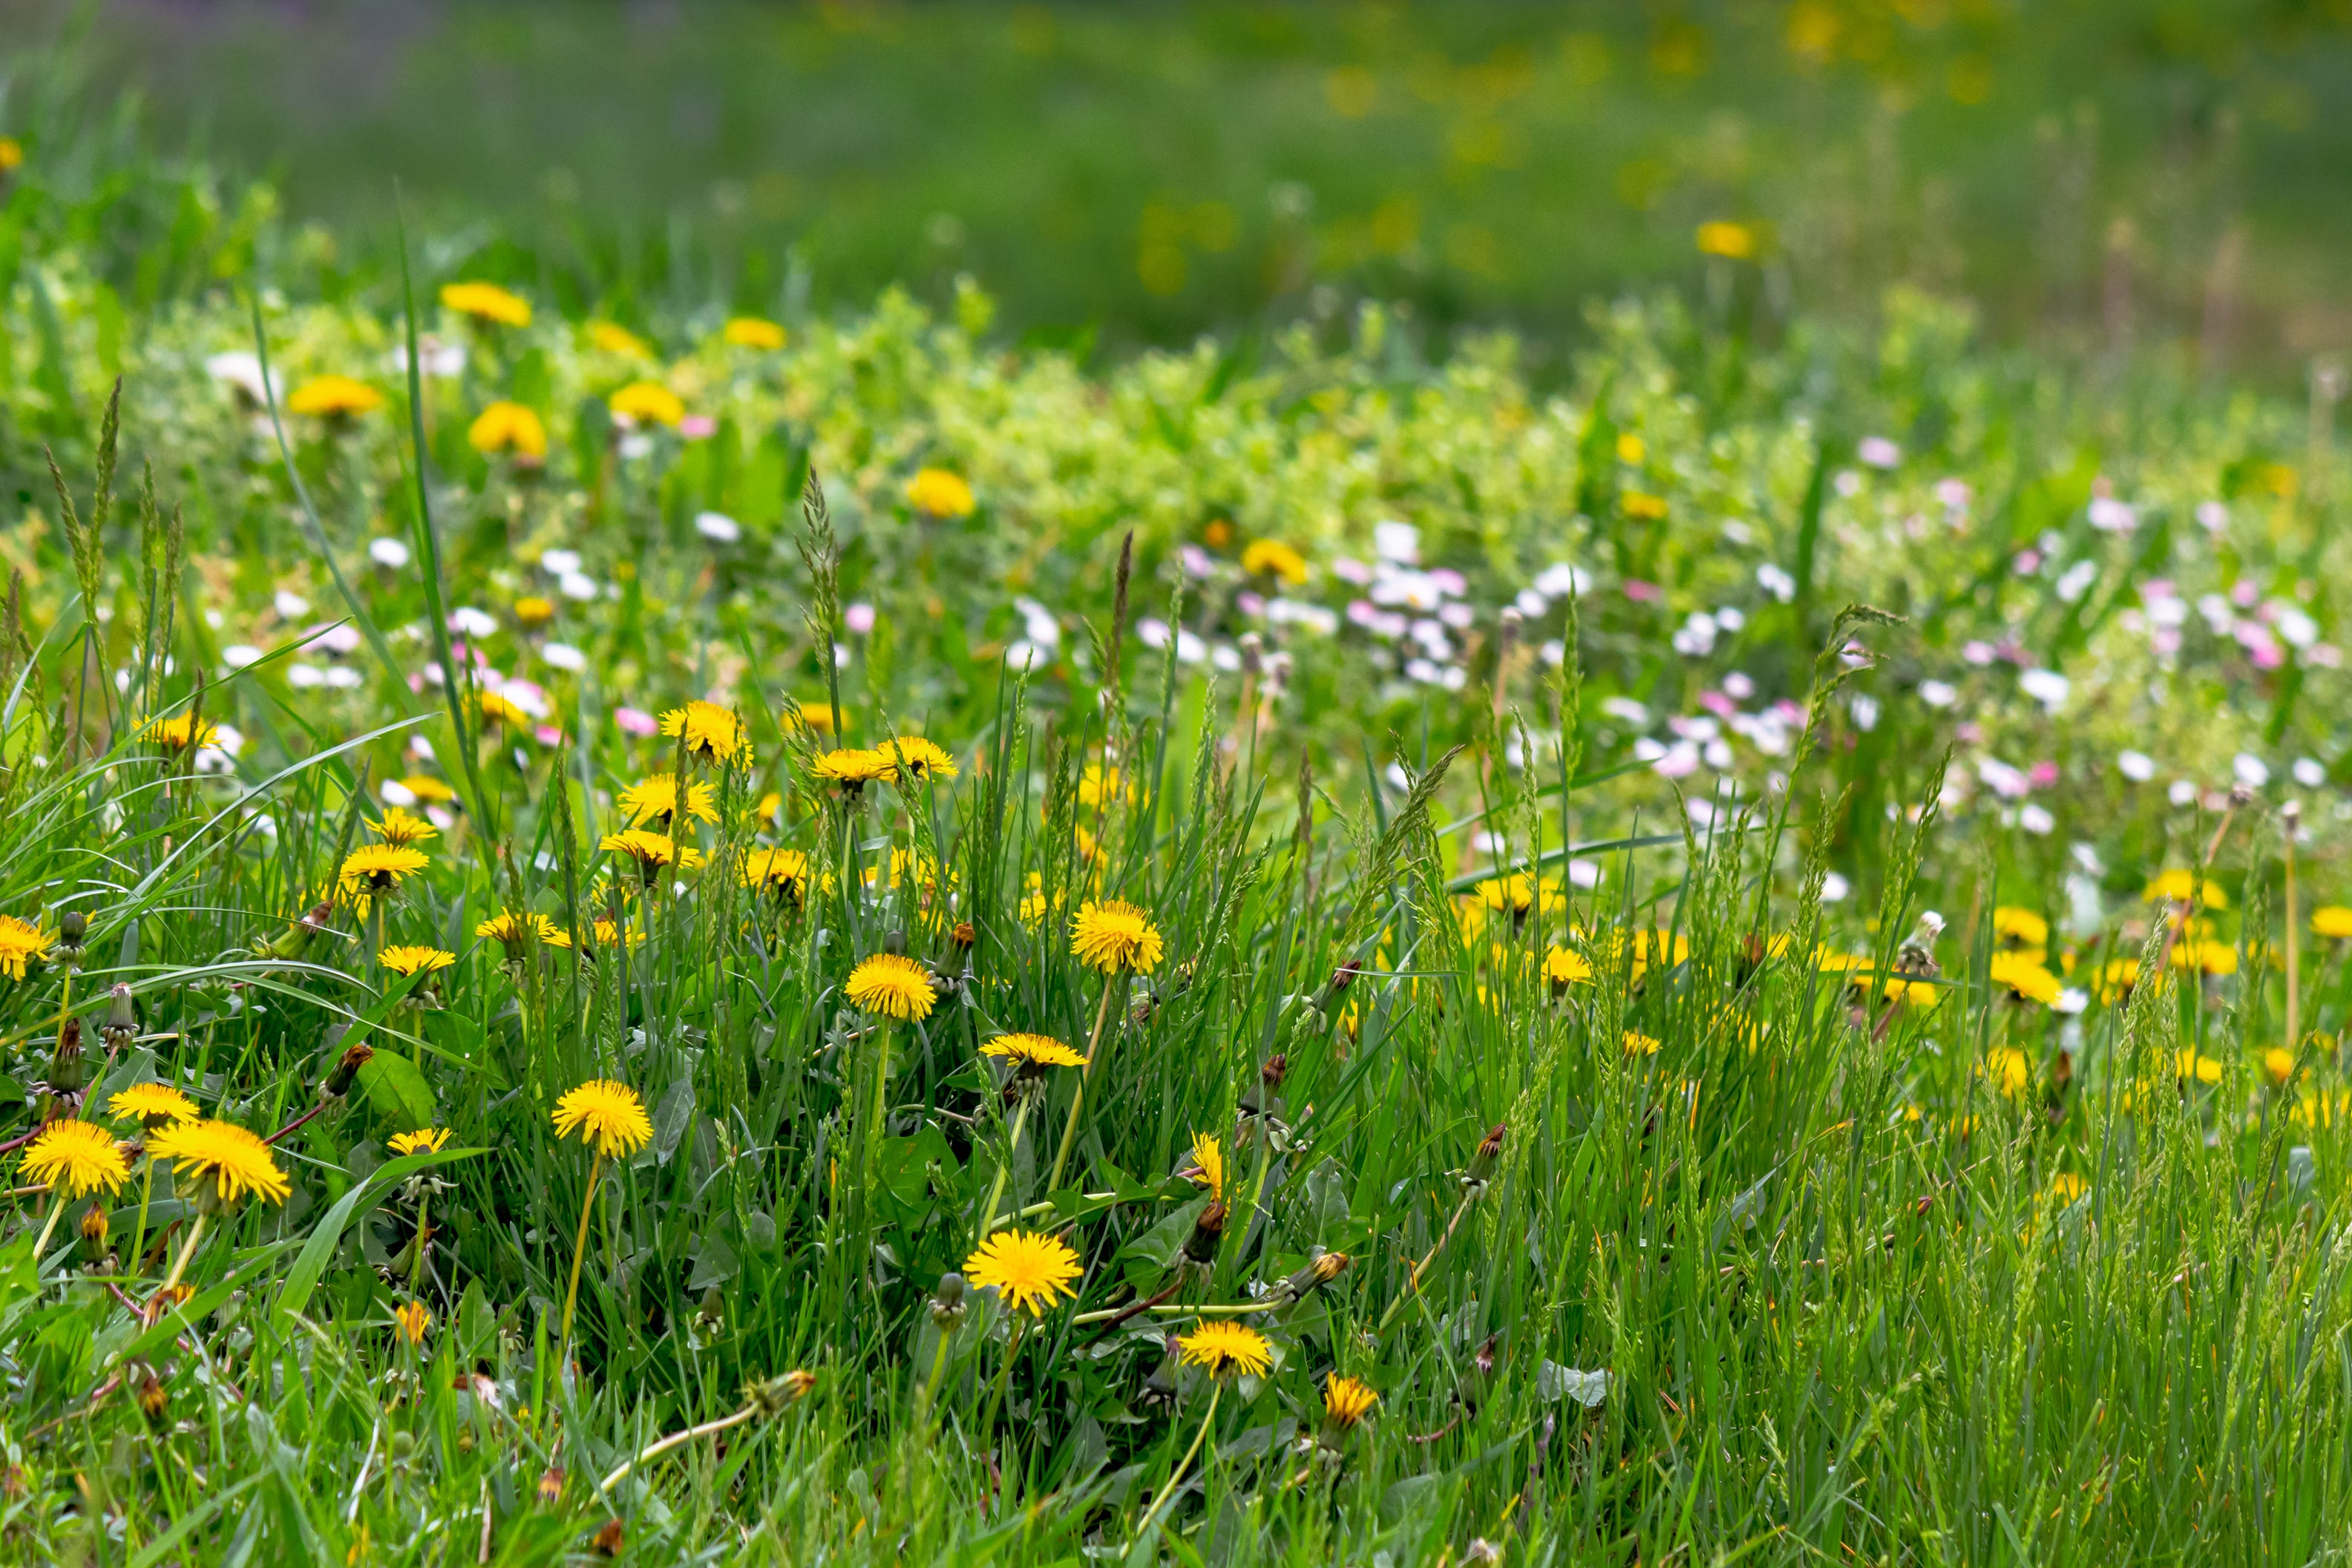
[[2022, 926], [424, 1140], [2067, 1187], [816, 715], [12, 154], [1098, 784], [413, 1318], [534, 610], [2278, 1063], [1272, 558], [373, 870], [517, 932], [1640, 1044], [22, 942], [1731, 241], [1224, 1347], [234, 1161], [1631, 448], [487, 302], [2205, 955], [648, 401], [153, 1103], [752, 332], [939, 493], [1644, 508], [2189, 1065], [2177, 884], [893, 985], [605, 1114], [410, 960], [509, 427], [178, 732], [429, 789], [611, 337], [2023, 975], [1565, 966], [657, 797], [75, 1158], [784, 872], [399, 826], [1113, 935], [1208, 1167], [712, 733], [2332, 921], [1027, 1269], [1033, 1052], [2007, 1070], [850, 769], [329, 396], [1347, 1400], [651, 850], [921, 759]]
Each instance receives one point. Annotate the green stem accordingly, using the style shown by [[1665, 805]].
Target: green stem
[[187, 1250], [1012, 1151], [579, 1252], [1215, 1391], [1003, 1380], [139, 1233], [1077, 1100], [57, 1207]]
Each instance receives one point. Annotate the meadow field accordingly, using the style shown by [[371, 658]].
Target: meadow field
[[706, 894]]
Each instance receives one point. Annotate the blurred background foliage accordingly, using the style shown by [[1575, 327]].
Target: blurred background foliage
[[2109, 178]]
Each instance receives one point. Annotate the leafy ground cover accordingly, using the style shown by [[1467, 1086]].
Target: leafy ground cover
[[717, 937]]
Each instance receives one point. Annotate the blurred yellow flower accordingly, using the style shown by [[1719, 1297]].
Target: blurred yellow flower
[[534, 609], [1732, 241], [1272, 558], [2176, 885], [178, 732], [487, 302], [612, 338], [1640, 1044], [648, 401], [2332, 921], [1565, 966], [2022, 926], [412, 1319], [2189, 1065], [399, 826], [939, 493], [651, 850], [509, 427], [12, 154], [2067, 1187], [331, 395], [1642, 507], [2023, 975], [751, 332], [2204, 954], [2007, 1070], [2278, 1063]]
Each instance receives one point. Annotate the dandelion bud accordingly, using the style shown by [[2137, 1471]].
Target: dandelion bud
[[608, 1540], [121, 1025], [798, 1384], [964, 935], [73, 930], [93, 1230], [550, 1486], [339, 1081], [1320, 1271], [1159, 1388], [1344, 975], [153, 1396], [947, 1302], [1252, 651], [289, 944], [1482, 1162], [893, 941], [711, 1313], [65, 1076], [1506, 635], [1200, 1247], [1276, 1068], [771, 1398]]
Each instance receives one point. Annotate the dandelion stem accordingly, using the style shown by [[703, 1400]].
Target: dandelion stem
[[1012, 1151], [146, 1191], [48, 1227], [1078, 1100], [1003, 1381], [187, 1250], [1214, 1309], [579, 1251], [676, 1440], [1216, 1391]]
